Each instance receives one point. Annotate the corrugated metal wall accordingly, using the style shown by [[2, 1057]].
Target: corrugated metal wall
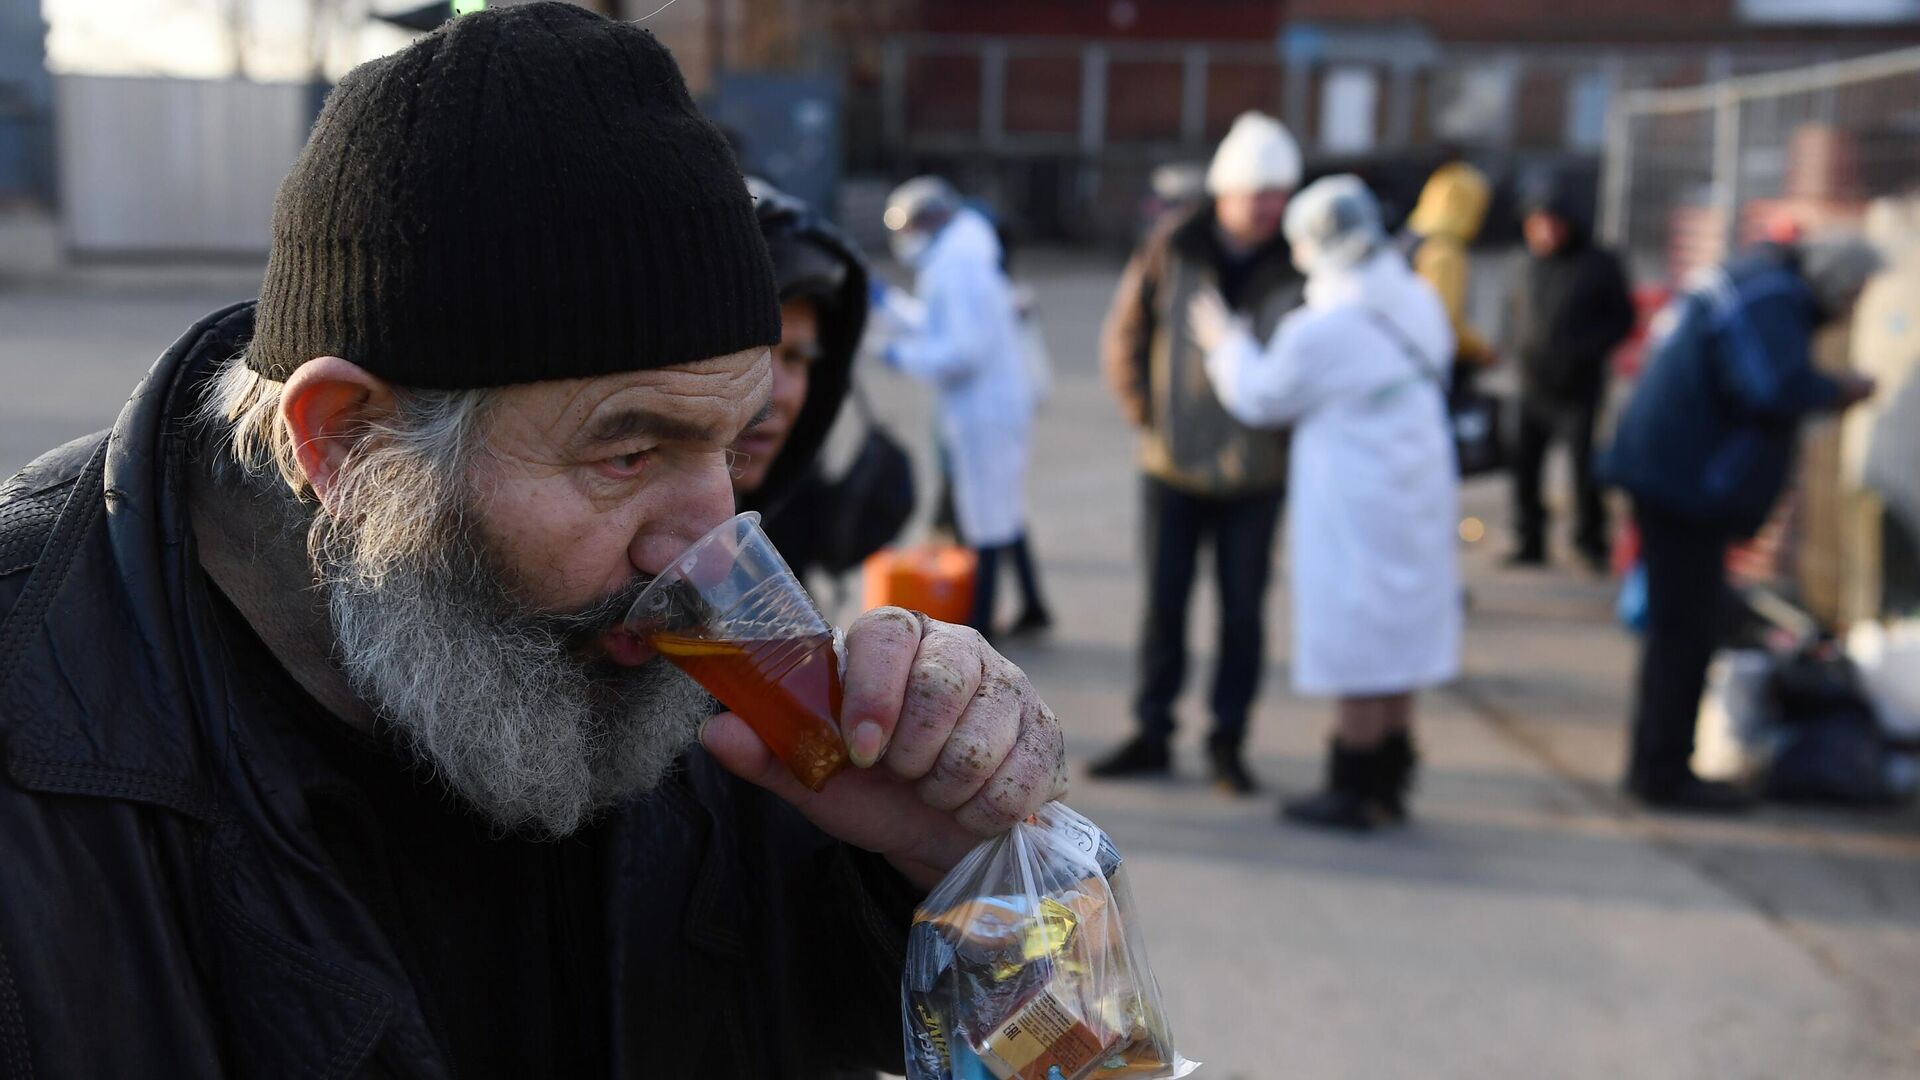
[[174, 166]]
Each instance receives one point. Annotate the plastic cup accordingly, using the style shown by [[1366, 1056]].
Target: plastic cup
[[730, 613]]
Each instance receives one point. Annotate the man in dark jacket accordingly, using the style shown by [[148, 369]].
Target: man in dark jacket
[[1704, 448], [326, 750], [817, 522], [1207, 478], [1571, 310]]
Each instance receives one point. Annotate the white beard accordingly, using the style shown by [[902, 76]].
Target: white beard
[[497, 700]]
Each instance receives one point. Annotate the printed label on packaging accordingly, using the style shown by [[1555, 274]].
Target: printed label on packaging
[[1041, 1035]]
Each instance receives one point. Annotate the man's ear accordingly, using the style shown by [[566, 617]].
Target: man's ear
[[326, 406]]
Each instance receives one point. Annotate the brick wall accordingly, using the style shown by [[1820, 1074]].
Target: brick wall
[[1158, 20]]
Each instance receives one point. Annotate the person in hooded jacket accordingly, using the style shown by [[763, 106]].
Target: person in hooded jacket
[[963, 336], [329, 750], [1705, 446], [1570, 311], [1207, 480], [1360, 374], [817, 523], [1444, 224]]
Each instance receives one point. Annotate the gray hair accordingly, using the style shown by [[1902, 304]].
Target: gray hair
[[428, 629], [1836, 268], [239, 414]]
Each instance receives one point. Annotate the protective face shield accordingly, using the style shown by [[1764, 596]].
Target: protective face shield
[[909, 208], [909, 245]]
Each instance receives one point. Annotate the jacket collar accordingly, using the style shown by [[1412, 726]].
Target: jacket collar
[[1196, 236], [115, 591], [108, 695], [104, 693]]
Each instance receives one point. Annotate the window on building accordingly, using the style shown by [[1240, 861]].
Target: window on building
[[1474, 104], [1588, 94], [1349, 109]]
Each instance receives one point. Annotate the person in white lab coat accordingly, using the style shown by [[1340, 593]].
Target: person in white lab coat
[[963, 336], [1359, 372]]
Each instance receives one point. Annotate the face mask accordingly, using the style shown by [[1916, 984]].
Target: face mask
[[910, 245], [1304, 256]]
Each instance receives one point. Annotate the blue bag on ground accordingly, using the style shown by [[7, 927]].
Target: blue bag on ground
[[1631, 605]]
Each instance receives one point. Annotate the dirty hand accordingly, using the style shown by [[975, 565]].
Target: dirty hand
[[1208, 319], [950, 745]]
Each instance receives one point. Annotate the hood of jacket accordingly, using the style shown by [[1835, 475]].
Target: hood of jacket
[[1453, 204], [842, 320]]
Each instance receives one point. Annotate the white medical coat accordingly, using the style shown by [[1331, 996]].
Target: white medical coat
[[1372, 480], [966, 341]]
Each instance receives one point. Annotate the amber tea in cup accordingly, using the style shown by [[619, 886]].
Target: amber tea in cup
[[730, 613]]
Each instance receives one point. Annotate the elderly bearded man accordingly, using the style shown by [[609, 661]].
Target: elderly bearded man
[[325, 753]]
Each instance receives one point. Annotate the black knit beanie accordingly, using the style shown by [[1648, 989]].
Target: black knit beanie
[[527, 193]]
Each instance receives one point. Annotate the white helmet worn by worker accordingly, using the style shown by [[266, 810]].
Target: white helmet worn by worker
[[1334, 223], [908, 208], [1258, 154]]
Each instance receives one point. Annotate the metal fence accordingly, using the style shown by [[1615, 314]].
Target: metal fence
[[1692, 173]]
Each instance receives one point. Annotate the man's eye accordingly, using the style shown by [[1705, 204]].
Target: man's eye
[[625, 464]]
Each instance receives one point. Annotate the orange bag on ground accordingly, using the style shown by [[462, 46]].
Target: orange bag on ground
[[936, 579]]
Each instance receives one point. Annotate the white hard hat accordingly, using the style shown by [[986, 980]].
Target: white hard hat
[[918, 196]]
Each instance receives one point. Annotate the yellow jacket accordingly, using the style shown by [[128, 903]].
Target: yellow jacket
[[1447, 218]]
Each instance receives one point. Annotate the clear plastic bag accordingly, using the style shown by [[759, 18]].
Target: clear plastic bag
[[1026, 963]]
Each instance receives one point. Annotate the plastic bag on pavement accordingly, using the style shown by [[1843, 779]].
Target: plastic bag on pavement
[[1888, 656], [1739, 728], [1027, 963]]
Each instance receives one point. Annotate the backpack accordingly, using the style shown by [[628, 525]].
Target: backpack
[[872, 500]]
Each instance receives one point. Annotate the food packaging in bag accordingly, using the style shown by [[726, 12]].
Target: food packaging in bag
[[1027, 963]]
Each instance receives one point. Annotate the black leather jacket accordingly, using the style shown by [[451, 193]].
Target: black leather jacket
[[166, 909]]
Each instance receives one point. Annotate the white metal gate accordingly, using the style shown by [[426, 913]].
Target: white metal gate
[[1695, 172], [174, 166]]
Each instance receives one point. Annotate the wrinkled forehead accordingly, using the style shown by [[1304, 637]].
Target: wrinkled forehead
[[705, 403]]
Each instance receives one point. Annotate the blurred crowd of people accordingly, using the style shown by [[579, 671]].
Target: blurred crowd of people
[[1275, 346], [323, 662]]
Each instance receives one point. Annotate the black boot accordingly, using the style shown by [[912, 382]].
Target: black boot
[[1031, 623], [1598, 557], [1527, 556], [1396, 774], [1690, 794], [1351, 800], [1138, 756], [1229, 771]]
